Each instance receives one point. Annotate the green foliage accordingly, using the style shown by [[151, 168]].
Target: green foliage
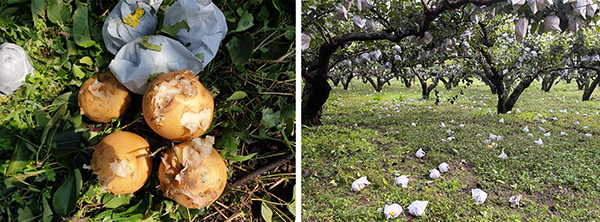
[[45, 142]]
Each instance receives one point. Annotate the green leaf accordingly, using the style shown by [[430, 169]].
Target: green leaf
[[86, 60], [19, 159], [240, 49], [118, 201], [266, 212], [77, 72], [41, 118], [237, 95], [37, 11], [270, 118], [292, 205], [241, 158], [173, 30], [65, 198], [58, 11], [246, 21], [229, 145], [154, 76], [25, 214], [150, 46], [81, 29], [47, 215], [200, 56]]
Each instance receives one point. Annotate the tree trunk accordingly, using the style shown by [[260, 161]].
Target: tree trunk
[[423, 81], [348, 80], [487, 81], [548, 82], [589, 90], [514, 96], [447, 84], [407, 82], [315, 94], [582, 83], [335, 81]]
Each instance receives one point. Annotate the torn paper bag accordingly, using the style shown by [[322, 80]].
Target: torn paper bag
[[149, 55], [417, 208], [402, 181], [359, 184], [15, 65], [129, 20], [392, 211], [478, 195], [202, 24]]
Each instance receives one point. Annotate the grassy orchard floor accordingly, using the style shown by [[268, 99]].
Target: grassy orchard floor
[[370, 134]]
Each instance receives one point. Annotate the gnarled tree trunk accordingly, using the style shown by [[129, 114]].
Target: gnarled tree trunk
[[587, 93]]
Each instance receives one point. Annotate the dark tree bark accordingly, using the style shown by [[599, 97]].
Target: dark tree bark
[[335, 81], [407, 82], [587, 93], [425, 89], [548, 81], [348, 80], [582, 82], [317, 89], [487, 81]]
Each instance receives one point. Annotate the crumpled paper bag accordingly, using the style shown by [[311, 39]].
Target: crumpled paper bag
[[552, 23], [392, 211], [434, 174], [542, 4], [375, 55], [347, 4], [515, 200], [359, 23], [420, 153], [517, 4], [532, 5], [365, 56], [402, 181], [426, 39], [575, 23], [341, 14], [129, 20], [417, 208], [443, 167], [305, 41], [478, 195], [359, 184], [15, 65], [139, 59], [521, 28], [207, 26], [347, 62], [370, 26], [503, 155], [364, 4]]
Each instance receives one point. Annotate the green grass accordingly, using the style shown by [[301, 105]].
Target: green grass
[[370, 134]]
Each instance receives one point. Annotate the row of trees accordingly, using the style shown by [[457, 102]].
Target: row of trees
[[451, 42]]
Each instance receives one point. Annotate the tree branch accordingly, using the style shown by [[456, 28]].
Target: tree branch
[[348, 56], [262, 170]]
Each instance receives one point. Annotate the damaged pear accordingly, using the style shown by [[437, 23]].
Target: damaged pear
[[177, 106], [193, 173], [122, 162], [103, 97]]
